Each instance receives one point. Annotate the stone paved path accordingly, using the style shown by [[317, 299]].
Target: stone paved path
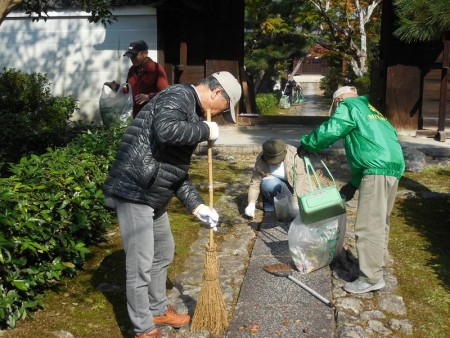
[[235, 239], [369, 315]]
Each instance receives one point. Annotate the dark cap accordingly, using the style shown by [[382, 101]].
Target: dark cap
[[274, 150], [135, 47]]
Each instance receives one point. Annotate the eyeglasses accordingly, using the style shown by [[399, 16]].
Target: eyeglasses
[[134, 56], [229, 104]]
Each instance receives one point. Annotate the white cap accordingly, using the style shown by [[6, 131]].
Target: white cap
[[339, 92], [232, 87], [344, 90]]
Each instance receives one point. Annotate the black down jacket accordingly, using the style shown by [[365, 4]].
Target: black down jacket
[[154, 156]]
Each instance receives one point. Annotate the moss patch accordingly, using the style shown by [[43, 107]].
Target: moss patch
[[79, 307], [420, 231]]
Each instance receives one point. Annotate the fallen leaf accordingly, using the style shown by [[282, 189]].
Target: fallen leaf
[[254, 329], [243, 327]]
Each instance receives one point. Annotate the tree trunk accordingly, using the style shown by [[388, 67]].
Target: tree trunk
[[358, 49], [7, 6], [265, 84]]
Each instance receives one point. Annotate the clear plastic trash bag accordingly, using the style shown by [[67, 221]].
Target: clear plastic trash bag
[[116, 108], [284, 102], [286, 208], [313, 246]]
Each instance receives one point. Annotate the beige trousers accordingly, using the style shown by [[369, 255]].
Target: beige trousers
[[376, 200]]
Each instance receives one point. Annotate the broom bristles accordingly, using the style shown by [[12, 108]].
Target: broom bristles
[[210, 313]]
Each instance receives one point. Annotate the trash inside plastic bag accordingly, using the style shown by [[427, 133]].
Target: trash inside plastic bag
[[315, 245], [284, 102], [116, 108]]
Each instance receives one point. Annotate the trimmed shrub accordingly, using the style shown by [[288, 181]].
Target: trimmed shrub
[[51, 211], [266, 103], [31, 118]]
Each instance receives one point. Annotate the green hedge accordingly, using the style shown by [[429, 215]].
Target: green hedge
[[267, 103], [31, 118], [51, 210]]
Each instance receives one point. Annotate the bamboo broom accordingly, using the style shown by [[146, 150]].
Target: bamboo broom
[[210, 313]]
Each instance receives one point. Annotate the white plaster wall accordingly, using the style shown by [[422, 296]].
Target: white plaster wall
[[77, 56]]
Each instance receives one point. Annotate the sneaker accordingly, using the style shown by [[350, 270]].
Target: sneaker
[[171, 318], [152, 334], [361, 286]]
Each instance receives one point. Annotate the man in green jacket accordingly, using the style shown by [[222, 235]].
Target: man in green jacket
[[376, 160]]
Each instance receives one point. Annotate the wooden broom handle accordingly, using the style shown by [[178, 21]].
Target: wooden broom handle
[[210, 177]]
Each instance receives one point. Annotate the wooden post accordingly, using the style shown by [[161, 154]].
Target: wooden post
[[444, 84], [183, 63], [249, 109]]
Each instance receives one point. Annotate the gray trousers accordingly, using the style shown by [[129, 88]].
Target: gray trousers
[[376, 200], [149, 249]]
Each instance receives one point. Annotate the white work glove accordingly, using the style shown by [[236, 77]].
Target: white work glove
[[207, 215], [250, 210], [213, 130]]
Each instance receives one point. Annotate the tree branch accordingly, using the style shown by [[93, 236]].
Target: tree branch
[[6, 6]]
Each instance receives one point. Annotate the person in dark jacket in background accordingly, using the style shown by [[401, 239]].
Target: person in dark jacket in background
[[145, 76], [290, 85], [376, 160], [151, 166]]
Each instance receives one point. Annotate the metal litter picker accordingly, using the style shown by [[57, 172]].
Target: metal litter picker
[[284, 270]]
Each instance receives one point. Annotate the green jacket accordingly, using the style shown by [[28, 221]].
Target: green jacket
[[370, 141]]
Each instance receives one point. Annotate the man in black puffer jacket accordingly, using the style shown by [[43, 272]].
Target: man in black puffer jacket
[[151, 166]]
